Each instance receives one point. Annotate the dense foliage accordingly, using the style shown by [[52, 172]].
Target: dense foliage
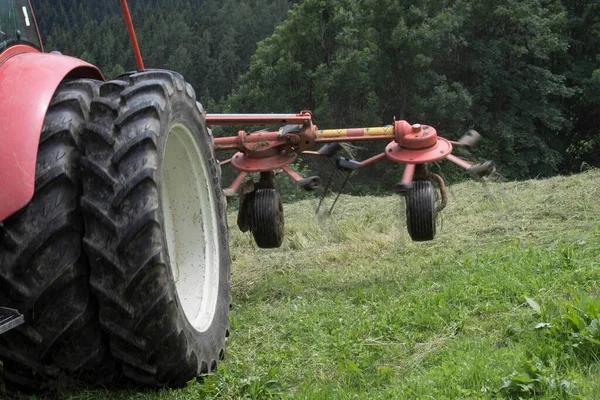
[[525, 73], [209, 42]]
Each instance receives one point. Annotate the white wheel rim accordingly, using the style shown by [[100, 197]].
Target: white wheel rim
[[191, 227]]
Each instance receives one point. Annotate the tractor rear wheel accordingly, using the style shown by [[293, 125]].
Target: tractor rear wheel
[[156, 232], [43, 271], [420, 211], [266, 218]]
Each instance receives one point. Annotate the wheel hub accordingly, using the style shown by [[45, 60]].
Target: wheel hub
[[191, 229]]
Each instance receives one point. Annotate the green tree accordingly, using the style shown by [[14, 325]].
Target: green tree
[[452, 64]]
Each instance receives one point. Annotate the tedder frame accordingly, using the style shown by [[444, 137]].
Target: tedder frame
[[414, 145]]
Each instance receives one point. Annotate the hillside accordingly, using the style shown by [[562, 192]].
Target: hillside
[[504, 300]]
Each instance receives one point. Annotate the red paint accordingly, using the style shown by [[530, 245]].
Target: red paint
[[132, 36], [353, 132], [226, 143], [296, 177], [258, 119], [401, 128], [27, 84], [312, 153], [235, 185], [459, 161], [17, 49], [242, 162], [354, 139], [263, 151], [268, 139], [415, 136], [372, 160], [408, 175], [400, 154]]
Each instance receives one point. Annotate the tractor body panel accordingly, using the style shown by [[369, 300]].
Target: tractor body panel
[[28, 80]]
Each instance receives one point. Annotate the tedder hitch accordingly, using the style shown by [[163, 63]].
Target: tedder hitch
[[9, 319], [265, 151]]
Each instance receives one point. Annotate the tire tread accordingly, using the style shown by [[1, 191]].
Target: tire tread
[[43, 270]]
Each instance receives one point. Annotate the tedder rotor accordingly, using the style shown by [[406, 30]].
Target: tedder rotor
[[264, 152]]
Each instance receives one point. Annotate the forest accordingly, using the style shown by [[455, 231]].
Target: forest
[[524, 73]]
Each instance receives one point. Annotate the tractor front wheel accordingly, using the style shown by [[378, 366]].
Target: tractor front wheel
[[156, 231]]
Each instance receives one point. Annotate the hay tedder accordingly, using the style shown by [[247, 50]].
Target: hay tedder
[[114, 254], [415, 146]]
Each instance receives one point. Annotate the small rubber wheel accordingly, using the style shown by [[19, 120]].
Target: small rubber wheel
[[420, 211], [267, 218], [246, 194]]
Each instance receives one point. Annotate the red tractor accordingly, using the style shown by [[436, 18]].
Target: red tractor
[[143, 291]]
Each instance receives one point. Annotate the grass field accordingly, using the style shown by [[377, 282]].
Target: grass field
[[504, 303]]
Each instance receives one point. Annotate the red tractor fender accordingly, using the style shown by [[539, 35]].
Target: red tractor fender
[[27, 83]]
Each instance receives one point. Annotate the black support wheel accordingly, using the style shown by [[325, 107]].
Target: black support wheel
[[43, 271], [420, 211], [156, 231], [266, 210]]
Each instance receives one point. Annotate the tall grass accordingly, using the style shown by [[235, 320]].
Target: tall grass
[[503, 303]]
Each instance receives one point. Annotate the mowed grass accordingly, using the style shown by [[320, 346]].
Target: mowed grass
[[503, 303]]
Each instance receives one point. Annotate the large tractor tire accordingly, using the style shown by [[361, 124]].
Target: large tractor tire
[[43, 271], [156, 231]]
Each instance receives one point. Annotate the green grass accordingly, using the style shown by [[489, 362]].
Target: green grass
[[504, 303]]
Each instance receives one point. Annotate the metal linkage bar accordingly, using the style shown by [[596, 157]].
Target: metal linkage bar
[[407, 179], [237, 142], [372, 160], [132, 36], [480, 170], [296, 177], [235, 185], [459, 161], [309, 183], [355, 134], [352, 139], [274, 138]]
